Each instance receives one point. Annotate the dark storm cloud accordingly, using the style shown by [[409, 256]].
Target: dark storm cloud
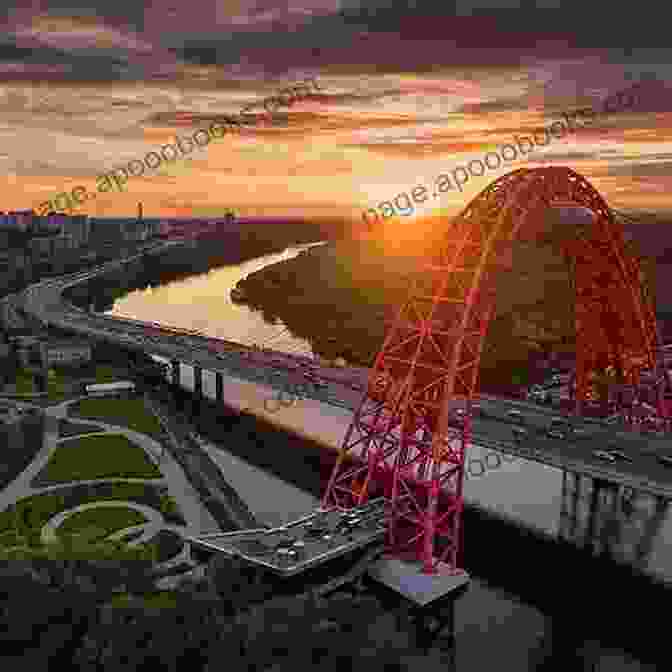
[[86, 65]]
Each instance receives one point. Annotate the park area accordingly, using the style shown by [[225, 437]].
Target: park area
[[127, 412], [100, 522], [57, 384], [22, 522], [95, 457]]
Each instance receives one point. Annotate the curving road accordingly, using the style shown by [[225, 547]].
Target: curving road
[[491, 426]]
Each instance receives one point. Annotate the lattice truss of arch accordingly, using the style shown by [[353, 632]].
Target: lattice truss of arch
[[399, 443]]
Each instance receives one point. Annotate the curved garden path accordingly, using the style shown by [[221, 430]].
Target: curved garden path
[[199, 520]]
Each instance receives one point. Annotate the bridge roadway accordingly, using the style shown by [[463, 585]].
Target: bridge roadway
[[304, 543], [491, 426]]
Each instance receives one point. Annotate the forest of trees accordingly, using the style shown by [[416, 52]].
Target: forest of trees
[[339, 297], [90, 607]]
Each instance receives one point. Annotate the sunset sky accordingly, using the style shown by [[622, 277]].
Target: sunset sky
[[410, 90]]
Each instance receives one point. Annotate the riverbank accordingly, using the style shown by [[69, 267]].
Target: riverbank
[[354, 288], [248, 241], [339, 296]]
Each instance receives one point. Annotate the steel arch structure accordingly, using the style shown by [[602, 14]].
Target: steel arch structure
[[400, 443]]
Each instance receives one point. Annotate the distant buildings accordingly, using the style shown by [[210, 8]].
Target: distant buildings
[[65, 352], [30, 242], [124, 229], [32, 350], [59, 231], [73, 228]]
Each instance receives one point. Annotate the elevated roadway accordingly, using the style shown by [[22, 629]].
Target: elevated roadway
[[492, 426]]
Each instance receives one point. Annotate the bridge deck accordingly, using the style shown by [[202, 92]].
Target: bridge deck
[[304, 543]]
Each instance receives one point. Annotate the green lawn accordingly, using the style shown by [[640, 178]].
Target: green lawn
[[91, 457], [26, 517], [24, 383], [162, 599], [56, 384], [130, 413], [56, 387], [104, 521], [107, 374]]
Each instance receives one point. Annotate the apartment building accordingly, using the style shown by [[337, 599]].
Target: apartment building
[[126, 229], [21, 220], [76, 228]]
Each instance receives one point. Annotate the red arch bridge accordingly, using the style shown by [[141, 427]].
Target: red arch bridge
[[406, 452]]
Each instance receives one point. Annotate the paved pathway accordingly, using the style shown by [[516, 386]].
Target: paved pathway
[[199, 520]]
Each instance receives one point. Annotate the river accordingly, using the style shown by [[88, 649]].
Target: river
[[632, 528]]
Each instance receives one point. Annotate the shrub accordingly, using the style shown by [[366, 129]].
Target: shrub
[[167, 544]]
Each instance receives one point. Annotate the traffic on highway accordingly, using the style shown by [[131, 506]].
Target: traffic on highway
[[525, 429]]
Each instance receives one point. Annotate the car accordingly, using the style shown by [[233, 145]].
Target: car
[[620, 455], [665, 460], [604, 455], [555, 434]]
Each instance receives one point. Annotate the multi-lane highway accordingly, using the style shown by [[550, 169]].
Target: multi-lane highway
[[542, 438]]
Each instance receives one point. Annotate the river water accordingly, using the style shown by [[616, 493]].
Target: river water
[[631, 529]]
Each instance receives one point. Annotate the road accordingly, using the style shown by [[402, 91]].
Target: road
[[492, 427]]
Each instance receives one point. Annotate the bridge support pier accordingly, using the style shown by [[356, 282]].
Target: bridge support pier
[[198, 382], [175, 364], [219, 387], [425, 605]]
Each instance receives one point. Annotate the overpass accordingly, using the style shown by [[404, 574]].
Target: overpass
[[492, 426]]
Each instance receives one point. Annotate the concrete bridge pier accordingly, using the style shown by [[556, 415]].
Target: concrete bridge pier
[[219, 387], [175, 364], [589, 507], [198, 382]]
